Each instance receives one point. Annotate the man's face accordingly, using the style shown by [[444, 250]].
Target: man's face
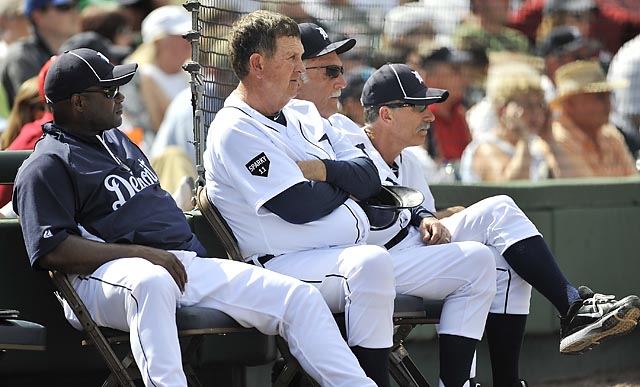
[[281, 73], [411, 124], [58, 21], [588, 110], [102, 108], [525, 112], [319, 87]]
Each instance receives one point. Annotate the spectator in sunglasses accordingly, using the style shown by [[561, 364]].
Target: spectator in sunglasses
[[52, 22]]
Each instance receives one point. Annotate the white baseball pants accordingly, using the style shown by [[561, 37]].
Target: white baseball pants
[[497, 222], [134, 295], [357, 280], [462, 274]]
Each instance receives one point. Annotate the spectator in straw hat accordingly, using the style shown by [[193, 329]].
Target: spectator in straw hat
[[583, 141]]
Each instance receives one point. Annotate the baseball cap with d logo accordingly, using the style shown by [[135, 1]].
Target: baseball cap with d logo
[[399, 82], [316, 42], [77, 70]]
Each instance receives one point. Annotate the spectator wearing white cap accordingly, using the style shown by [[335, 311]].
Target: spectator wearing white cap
[[161, 79], [625, 112]]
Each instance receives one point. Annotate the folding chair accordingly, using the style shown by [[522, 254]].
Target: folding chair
[[193, 324], [409, 311]]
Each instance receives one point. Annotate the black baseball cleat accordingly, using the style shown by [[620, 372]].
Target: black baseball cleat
[[595, 318]]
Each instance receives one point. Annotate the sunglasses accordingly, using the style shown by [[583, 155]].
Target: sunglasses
[[332, 71], [416, 108], [109, 92]]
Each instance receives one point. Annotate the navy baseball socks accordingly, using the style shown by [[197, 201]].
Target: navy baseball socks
[[586, 318], [594, 318], [375, 363], [456, 356], [504, 334]]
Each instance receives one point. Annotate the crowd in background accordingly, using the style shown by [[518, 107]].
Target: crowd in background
[[538, 89]]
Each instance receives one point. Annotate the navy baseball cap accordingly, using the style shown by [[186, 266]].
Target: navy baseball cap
[[564, 39], [445, 54], [316, 42], [32, 5], [399, 82], [77, 70]]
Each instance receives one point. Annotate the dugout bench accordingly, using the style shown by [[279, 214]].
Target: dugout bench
[[17, 334]]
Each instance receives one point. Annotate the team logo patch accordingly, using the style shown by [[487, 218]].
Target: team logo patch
[[259, 165]]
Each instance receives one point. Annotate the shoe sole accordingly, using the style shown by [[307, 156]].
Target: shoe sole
[[616, 323]]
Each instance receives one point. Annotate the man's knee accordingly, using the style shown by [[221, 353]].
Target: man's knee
[[484, 266], [156, 281], [372, 264], [374, 260], [504, 201]]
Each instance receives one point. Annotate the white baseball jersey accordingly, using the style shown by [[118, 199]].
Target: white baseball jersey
[[496, 222], [250, 159]]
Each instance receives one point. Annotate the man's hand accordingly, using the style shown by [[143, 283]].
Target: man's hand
[[313, 170], [79, 255], [170, 262], [433, 232]]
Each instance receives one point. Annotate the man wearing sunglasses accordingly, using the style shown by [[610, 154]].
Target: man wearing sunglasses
[[310, 230], [52, 22], [91, 205], [394, 100], [458, 273]]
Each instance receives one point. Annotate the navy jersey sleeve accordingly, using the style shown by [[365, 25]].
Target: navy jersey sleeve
[[419, 213], [358, 176], [43, 197], [293, 204]]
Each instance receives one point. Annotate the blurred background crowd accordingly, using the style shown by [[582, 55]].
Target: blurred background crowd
[[539, 89]]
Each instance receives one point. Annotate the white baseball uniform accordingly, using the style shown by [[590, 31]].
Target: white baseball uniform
[[249, 160], [496, 222], [104, 189]]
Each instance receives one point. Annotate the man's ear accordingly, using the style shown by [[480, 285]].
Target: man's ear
[[384, 112], [256, 64], [76, 102]]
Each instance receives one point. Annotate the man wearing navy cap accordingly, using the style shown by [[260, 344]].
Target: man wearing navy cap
[[91, 206], [52, 22], [440, 271], [321, 61], [394, 100]]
